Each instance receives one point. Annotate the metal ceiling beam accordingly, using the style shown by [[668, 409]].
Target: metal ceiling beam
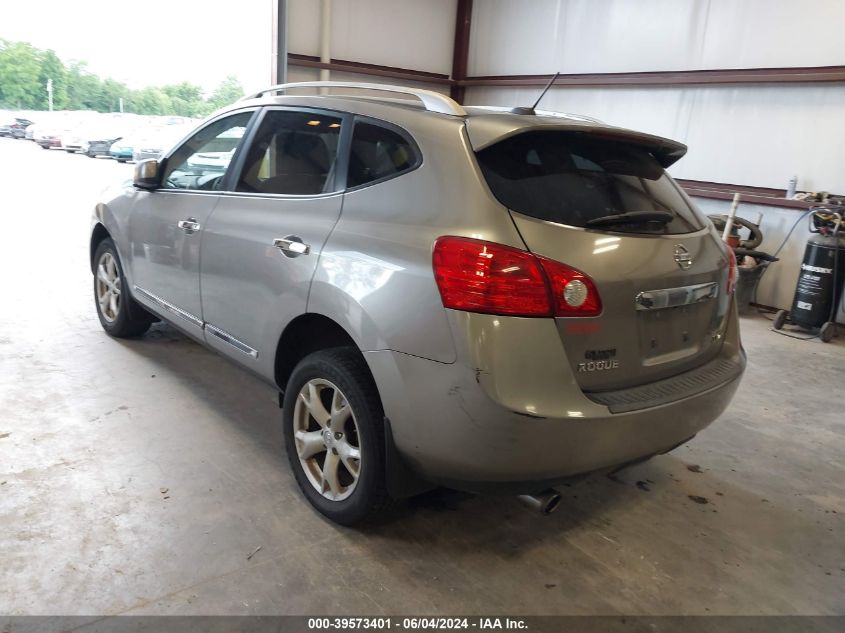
[[460, 51], [813, 74], [279, 61]]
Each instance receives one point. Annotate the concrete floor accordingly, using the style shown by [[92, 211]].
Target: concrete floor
[[136, 477]]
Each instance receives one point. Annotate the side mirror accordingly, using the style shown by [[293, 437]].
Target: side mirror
[[147, 174]]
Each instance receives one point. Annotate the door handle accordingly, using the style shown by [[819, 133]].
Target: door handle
[[189, 226], [292, 245]]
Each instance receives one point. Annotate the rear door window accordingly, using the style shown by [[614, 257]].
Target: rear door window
[[293, 153], [572, 178]]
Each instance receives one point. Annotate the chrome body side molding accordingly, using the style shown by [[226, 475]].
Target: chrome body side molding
[[231, 340], [195, 320], [166, 305]]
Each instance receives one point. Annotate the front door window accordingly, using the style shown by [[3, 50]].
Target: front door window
[[201, 162]]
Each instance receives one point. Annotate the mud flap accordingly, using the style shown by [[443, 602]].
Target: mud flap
[[402, 481]]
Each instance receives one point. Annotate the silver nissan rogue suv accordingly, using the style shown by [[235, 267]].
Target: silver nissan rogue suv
[[486, 299]]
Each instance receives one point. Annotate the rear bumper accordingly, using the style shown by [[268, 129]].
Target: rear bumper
[[513, 418]]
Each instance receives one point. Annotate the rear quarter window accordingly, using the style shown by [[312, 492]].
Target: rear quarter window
[[571, 178], [378, 153]]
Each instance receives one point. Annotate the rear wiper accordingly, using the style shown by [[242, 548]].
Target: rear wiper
[[632, 217]]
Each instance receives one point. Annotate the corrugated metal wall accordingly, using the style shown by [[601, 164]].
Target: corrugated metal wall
[[758, 135], [416, 34]]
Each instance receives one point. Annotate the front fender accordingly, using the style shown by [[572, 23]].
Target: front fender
[[113, 217]]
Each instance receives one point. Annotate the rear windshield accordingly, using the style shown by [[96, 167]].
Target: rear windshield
[[574, 178]]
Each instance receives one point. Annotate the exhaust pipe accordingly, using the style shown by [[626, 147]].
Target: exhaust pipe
[[544, 502]]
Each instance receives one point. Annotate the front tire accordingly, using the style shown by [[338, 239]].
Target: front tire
[[334, 435], [118, 312]]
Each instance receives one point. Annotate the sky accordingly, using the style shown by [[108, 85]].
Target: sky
[[154, 42]]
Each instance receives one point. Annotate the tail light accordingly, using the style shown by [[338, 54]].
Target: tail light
[[733, 271], [479, 276], [574, 293]]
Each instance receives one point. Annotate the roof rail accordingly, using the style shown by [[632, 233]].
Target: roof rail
[[433, 101]]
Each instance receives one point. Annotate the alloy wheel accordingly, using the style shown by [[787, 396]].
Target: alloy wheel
[[327, 440], [108, 287]]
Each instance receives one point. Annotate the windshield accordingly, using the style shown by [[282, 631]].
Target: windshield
[[573, 179]]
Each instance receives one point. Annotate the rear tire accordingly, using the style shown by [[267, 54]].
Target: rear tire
[[334, 435], [780, 319], [120, 315]]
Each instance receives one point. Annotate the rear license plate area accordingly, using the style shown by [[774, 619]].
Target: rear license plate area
[[672, 333]]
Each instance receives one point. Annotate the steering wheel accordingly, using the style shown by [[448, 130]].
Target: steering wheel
[[755, 234], [209, 182]]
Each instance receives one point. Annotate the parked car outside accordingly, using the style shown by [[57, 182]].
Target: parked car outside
[[443, 295], [102, 134], [74, 140], [154, 141], [19, 128], [100, 146], [16, 128], [122, 149], [210, 161], [47, 137]]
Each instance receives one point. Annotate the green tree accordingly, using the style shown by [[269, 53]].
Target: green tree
[[185, 99], [84, 89], [53, 69], [25, 70], [20, 68], [111, 93], [229, 91], [149, 101]]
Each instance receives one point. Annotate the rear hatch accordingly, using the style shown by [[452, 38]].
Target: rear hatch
[[598, 199]]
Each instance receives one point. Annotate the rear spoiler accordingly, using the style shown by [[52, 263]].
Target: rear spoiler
[[488, 129]]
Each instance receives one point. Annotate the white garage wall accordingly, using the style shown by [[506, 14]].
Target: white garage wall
[[759, 135], [298, 73], [512, 37], [414, 34]]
